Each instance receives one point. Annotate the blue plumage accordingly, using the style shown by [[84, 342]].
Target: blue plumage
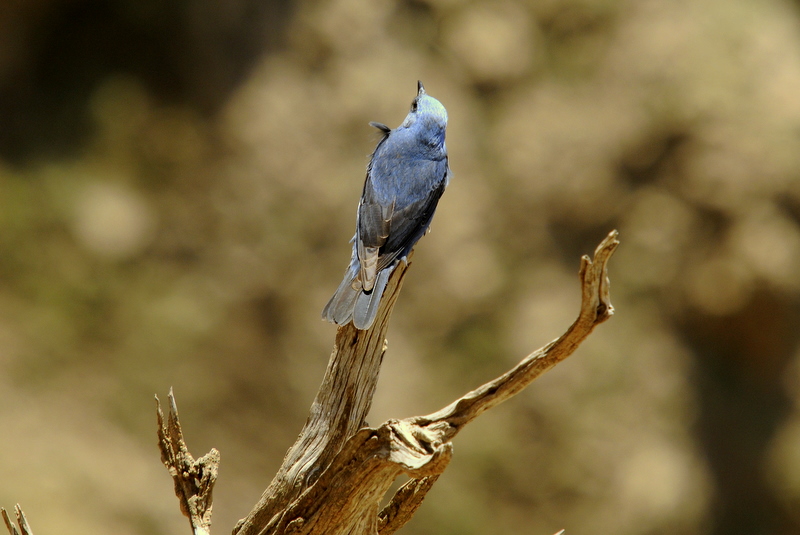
[[406, 176]]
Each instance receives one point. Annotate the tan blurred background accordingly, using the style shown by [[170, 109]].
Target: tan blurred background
[[178, 184]]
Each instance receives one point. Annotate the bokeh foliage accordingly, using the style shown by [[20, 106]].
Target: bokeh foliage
[[178, 182]]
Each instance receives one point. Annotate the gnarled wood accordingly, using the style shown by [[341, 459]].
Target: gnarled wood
[[194, 479], [333, 479], [339, 410], [344, 499]]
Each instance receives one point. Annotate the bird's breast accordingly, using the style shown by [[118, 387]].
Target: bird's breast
[[405, 180]]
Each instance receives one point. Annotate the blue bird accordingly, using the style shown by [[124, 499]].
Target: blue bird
[[406, 176]]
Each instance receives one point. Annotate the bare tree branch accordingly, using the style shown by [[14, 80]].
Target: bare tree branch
[[24, 528], [333, 479], [404, 504], [343, 499], [339, 410], [194, 480], [595, 309]]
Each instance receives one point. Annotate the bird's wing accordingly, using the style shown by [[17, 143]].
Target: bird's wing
[[372, 224], [408, 223], [372, 231]]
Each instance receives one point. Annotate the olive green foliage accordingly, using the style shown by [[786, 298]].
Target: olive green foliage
[[178, 186]]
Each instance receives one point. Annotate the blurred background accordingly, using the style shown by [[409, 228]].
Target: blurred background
[[178, 185]]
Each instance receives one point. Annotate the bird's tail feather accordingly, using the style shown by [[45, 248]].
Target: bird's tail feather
[[349, 303], [339, 309], [366, 305]]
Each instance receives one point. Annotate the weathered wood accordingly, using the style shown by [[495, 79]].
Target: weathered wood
[[194, 479], [24, 528], [339, 410], [404, 504], [334, 477], [345, 498]]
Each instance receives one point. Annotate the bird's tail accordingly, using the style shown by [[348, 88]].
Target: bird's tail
[[366, 307], [350, 302]]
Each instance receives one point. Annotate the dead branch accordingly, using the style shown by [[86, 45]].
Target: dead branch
[[339, 410], [595, 309], [194, 480], [332, 480], [24, 528], [345, 496], [404, 504]]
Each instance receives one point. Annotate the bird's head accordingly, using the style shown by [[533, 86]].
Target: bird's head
[[427, 116]]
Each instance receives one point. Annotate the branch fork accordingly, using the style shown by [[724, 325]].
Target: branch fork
[[194, 479], [420, 446]]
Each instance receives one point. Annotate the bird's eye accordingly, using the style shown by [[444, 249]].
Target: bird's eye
[[414, 105]]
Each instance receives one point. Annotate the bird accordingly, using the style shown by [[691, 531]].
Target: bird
[[406, 176]]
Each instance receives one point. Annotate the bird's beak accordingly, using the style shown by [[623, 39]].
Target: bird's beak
[[420, 88]]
